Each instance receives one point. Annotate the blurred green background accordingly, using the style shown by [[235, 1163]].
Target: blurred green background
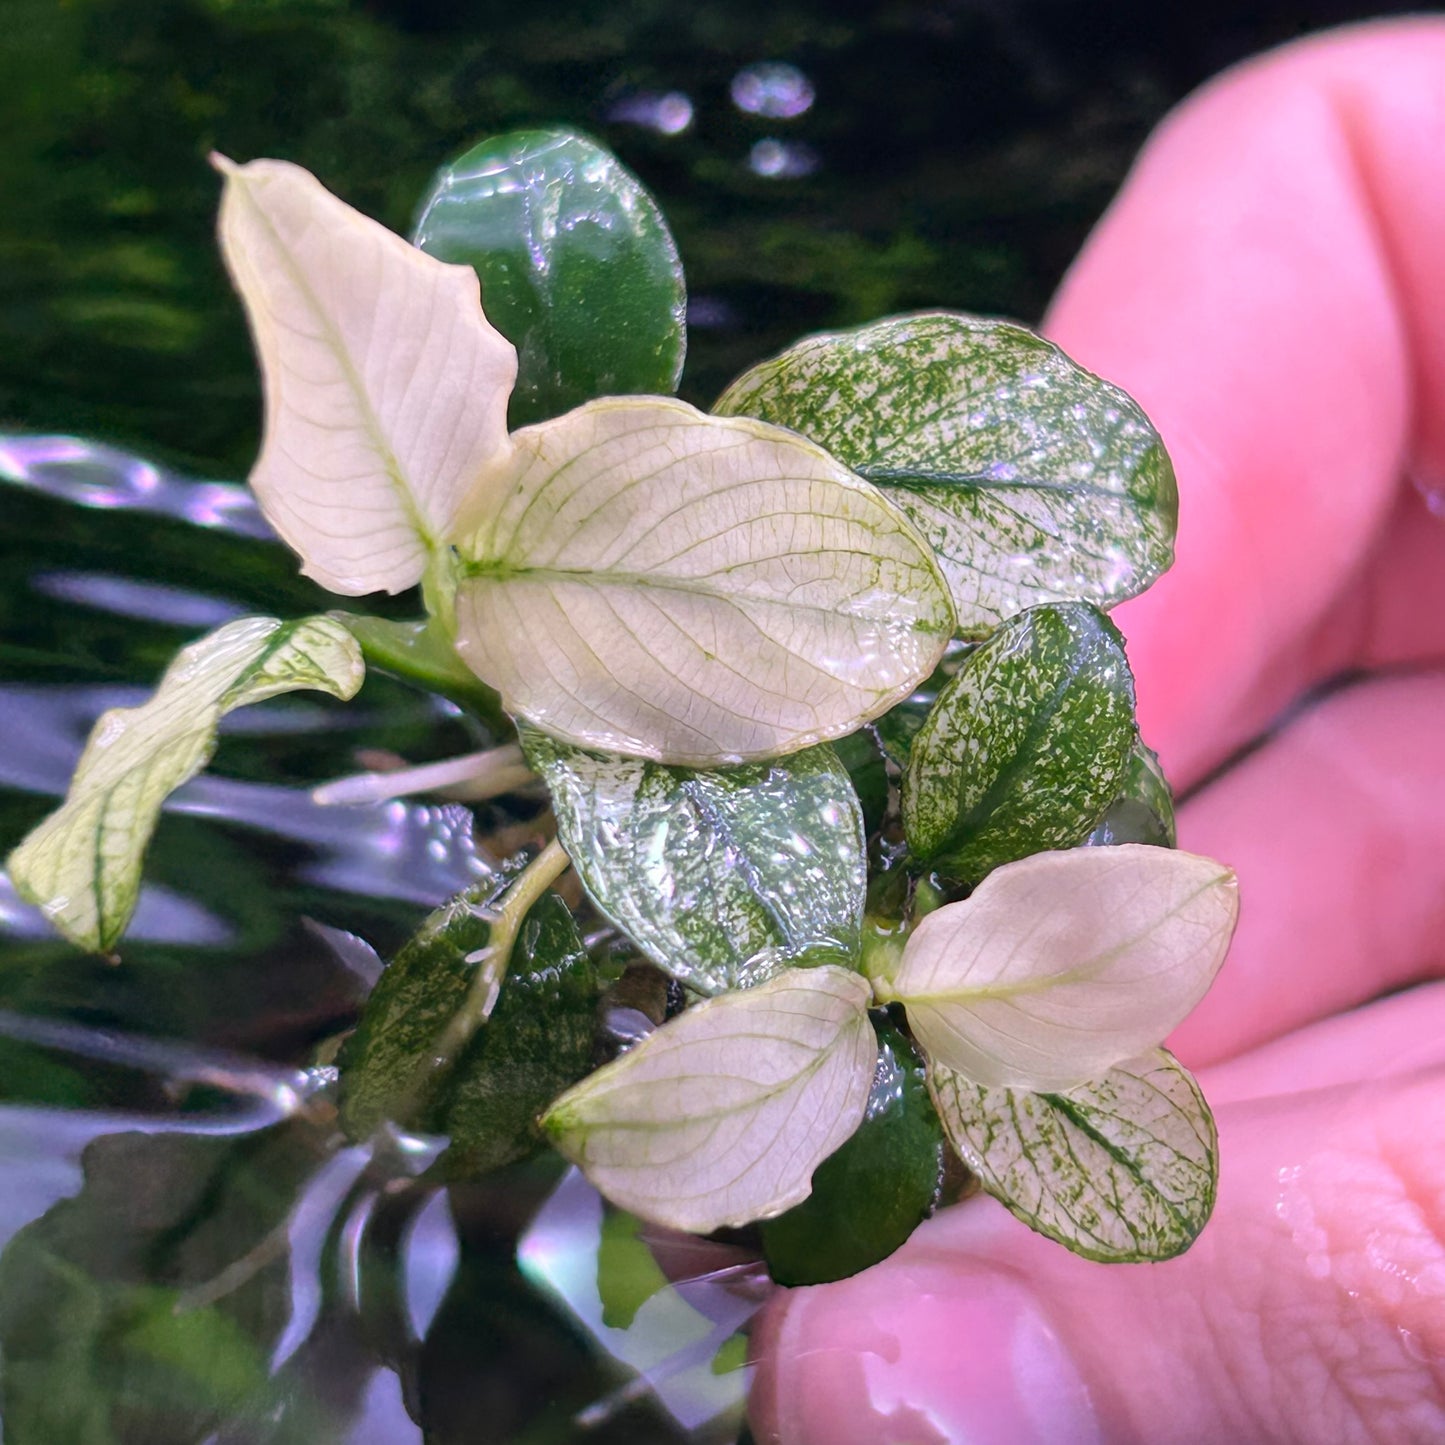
[[957, 152]]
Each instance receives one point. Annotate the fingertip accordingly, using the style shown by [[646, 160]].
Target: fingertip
[[922, 1351], [1268, 286]]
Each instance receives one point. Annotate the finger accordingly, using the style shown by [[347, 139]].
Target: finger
[[1336, 828], [1311, 1308], [1270, 285]]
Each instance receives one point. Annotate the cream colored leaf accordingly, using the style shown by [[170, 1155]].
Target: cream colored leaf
[[82, 864], [1060, 966], [721, 1116], [386, 386], [652, 581]]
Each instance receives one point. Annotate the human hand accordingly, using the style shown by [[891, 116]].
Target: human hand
[[1271, 287]]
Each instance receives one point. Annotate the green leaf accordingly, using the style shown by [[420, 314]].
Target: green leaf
[[652, 581], [628, 1274], [1144, 810], [1024, 749], [1034, 480], [577, 265], [146, 1308], [720, 1116], [82, 865], [1122, 1169], [724, 877], [538, 1040], [866, 764], [386, 387], [871, 1195], [1058, 967]]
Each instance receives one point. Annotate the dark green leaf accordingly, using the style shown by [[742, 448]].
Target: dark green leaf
[[870, 1195], [1026, 747], [579, 271], [1144, 810], [896, 729], [538, 1041], [1123, 1169], [863, 757], [722, 877], [1034, 480]]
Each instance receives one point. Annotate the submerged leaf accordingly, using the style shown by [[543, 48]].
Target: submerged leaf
[[1121, 1169], [538, 1040], [578, 267], [1025, 747], [82, 865], [871, 1195], [1034, 480], [724, 877], [1062, 965], [386, 387], [721, 1116], [652, 581], [1143, 811]]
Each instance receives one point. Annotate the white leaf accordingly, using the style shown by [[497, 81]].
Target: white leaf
[[651, 581], [1122, 1169], [721, 1116], [82, 864], [1063, 964], [386, 387]]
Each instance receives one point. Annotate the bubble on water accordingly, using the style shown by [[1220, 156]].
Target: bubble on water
[[773, 89], [778, 160], [667, 112]]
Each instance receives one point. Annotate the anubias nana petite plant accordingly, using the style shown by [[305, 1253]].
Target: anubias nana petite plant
[[835, 731]]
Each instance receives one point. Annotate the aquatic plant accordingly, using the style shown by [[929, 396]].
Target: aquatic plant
[[819, 688]]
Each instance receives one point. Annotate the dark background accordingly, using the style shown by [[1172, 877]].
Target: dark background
[[963, 148]]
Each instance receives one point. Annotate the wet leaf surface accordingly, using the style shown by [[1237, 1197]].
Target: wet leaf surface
[[578, 268], [869, 1196], [1025, 748], [722, 876]]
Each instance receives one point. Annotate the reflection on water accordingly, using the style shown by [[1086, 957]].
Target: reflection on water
[[91, 474], [210, 1261]]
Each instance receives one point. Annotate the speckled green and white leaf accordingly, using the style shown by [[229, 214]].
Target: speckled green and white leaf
[[720, 1117], [651, 581], [386, 386], [1026, 747], [82, 865], [1122, 1169], [1060, 966], [1143, 810], [1034, 480], [721, 877]]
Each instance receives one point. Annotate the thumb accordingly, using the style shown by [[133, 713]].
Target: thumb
[[1311, 1308]]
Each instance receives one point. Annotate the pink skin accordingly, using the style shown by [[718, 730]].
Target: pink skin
[[1271, 286]]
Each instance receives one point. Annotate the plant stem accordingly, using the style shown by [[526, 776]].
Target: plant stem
[[505, 920], [470, 778]]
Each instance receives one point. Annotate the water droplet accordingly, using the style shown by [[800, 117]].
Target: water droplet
[[772, 88]]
